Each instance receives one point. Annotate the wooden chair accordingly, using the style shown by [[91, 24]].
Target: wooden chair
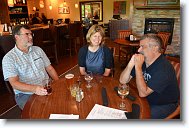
[[125, 50], [165, 38], [176, 64]]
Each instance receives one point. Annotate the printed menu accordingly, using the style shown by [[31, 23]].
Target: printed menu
[[102, 112]]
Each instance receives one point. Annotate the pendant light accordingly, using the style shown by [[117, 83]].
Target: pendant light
[[50, 6], [76, 5], [10, 3], [41, 4], [64, 4]]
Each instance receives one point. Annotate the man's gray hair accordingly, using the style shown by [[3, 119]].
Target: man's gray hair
[[155, 39]]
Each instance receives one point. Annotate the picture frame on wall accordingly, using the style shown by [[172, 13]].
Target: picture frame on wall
[[119, 7], [163, 2], [63, 10]]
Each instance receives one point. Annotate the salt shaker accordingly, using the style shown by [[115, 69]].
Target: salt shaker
[[82, 94], [78, 96], [131, 37]]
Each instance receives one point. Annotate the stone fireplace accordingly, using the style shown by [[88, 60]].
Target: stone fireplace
[[140, 16], [155, 25]]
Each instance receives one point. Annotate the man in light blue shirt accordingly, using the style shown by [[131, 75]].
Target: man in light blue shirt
[[26, 66]]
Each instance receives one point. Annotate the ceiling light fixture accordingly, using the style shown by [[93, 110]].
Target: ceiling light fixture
[[10, 3], [41, 4], [50, 7], [76, 5], [64, 3]]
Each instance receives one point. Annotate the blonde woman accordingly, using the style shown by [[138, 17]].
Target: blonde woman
[[95, 56]]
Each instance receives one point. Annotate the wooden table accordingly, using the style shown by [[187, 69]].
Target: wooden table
[[123, 42], [61, 101], [127, 42]]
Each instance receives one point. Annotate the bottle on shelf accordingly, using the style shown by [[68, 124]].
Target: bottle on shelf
[[24, 1], [10, 29], [5, 28]]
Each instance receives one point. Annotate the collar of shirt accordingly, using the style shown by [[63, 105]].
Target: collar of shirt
[[20, 52]]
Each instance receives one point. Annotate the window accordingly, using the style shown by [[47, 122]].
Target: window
[[92, 7]]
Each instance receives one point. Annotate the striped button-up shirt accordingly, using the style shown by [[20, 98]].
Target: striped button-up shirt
[[29, 67]]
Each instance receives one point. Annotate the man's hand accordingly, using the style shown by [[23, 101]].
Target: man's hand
[[138, 60], [39, 90]]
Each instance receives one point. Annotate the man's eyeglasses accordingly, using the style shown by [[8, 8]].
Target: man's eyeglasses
[[27, 34]]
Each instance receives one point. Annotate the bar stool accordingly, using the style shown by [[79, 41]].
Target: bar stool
[[62, 30], [49, 42], [71, 38], [43, 38]]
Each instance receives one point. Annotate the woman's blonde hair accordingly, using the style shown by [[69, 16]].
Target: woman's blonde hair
[[94, 29]]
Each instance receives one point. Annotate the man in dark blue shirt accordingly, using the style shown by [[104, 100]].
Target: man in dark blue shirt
[[155, 77]]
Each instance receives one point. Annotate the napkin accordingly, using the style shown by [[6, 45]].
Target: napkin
[[104, 97], [135, 114]]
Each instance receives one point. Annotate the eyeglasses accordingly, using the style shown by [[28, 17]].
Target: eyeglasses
[[28, 34]]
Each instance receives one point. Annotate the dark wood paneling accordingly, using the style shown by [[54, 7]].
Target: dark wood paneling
[[4, 14]]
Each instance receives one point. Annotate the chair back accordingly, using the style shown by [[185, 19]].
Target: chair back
[[38, 36], [72, 30], [75, 29], [79, 33], [53, 33], [165, 38], [7, 42], [50, 33], [122, 34], [176, 64]]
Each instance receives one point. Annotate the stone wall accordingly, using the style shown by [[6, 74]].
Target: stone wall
[[139, 23]]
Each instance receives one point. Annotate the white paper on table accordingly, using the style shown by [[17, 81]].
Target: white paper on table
[[63, 116], [102, 112]]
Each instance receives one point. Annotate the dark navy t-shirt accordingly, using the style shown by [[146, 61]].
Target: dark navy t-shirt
[[161, 78]]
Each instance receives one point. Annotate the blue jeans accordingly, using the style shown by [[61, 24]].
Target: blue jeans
[[162, 111], [21, 99]]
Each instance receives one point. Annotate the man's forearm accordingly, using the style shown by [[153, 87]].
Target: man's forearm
[[22, 86], [125, 75], [51, 71], [53, 74], [142, 87]]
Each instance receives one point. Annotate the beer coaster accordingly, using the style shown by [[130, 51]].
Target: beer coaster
[[69, 76]]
